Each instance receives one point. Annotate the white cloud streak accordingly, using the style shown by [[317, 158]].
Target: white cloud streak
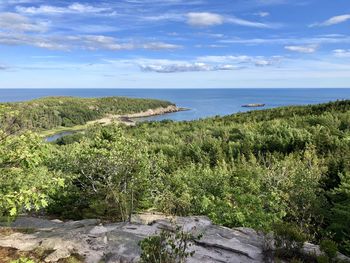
[[15, 22], [205, 19], [207, 63], [262, 14], [302, 49], [174, 67], [342, 53], [333, 20], [243, 22], [317, 40], [243, 59], [75, 8], [87, 42]]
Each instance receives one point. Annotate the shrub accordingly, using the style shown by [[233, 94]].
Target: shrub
[[322, 259], [289, 239], [23, 260], [167, 247], [329, 247]]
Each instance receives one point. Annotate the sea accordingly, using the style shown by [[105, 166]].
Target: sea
[[201, 103]]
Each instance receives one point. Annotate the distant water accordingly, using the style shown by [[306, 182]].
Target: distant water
[[202, 102]]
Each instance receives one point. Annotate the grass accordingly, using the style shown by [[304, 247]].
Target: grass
[[54, 131], [38, 255], [7, 231]]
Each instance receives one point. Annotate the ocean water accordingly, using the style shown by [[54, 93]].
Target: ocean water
[[201, 102]]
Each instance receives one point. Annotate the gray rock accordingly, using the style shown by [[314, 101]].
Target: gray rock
[[118, 242]]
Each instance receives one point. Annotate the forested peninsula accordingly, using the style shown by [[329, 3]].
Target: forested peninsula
[[50, 113], [284, 171]]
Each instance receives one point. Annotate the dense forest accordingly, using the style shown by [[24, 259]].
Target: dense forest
[[51, 112], [258, 169]]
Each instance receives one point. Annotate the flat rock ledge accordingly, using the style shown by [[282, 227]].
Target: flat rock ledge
[[118, 242]]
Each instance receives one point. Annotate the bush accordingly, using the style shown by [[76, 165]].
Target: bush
[[167, 247], [329, 247], [322, 259], [289, 239], [23, 260]]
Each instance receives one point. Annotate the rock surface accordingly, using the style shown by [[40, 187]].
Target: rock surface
[[118, 242]]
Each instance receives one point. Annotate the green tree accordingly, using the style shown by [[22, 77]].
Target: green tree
[[25, 181], [110, 172]]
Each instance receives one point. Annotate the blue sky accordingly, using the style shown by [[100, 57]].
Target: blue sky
[[174, 43]]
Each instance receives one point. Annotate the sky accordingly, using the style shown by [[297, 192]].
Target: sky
[[174, 44]]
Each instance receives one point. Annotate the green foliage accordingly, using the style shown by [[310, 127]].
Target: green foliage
[[23, 260], [254, 169], [322, 259], [250, 169], [289, 239], [329, 247], [167, 247], [257, 168], [51, 112], [25, 181], [339, 216], [109, 174]]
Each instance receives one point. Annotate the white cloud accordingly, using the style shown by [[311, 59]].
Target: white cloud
[[243, 22], [77, 8], [342, 53], [317, 40], [88, 42], [225, 59], [302, 49], [163, 17], [15, 22], [272, 2], [204, 19], [262, 14], [206, 63], [175, 67], [333, 20], [16, 2], [242, 59], [36, 41], [227, 67], [94, 42], [160, 46], [263, 63]]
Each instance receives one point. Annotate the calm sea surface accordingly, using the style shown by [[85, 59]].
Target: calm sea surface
[[202, 102]]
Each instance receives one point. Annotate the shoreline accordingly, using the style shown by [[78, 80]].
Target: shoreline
[[126, 119]]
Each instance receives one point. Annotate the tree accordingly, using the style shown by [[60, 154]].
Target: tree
[[339, 217], [110, 172], [25, 181]]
